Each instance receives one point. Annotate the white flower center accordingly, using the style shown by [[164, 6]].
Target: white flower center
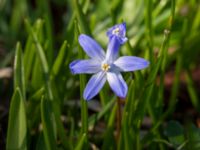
[[116, 31], [105, 67]]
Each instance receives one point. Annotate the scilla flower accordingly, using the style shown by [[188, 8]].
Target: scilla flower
[[106, 66], [118, 31]]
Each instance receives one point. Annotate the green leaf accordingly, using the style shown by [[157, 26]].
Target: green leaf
[[45, 9], [48, 126], [81, 17], [109, 142], [41, 143], [128, 112], [175, 133], [31, 60], [192, 91], [19, 11], [57, 66], [17, 127], [42, 58], [37, 95], [39, 48], [193, 136], [19, 80], [104, 110], [48, 85], [81, 142], [37, 80]]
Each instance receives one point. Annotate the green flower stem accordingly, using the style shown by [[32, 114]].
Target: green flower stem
[[119, 118], [173, 100], [102, 98], [162, 76], [159, 102], [149, 90], [84, 107], [149, 28], [165, 58]]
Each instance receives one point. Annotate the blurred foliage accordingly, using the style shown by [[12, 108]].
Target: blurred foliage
[[38, 39]]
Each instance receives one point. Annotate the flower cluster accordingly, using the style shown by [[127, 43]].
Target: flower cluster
[[106, 66]]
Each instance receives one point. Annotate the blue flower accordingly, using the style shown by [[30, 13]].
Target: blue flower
[[106, 66], [118, 31]]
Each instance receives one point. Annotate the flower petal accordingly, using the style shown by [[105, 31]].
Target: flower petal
[[119, 31], [117, 84], [91, 47], [112, 50], [131, 63], [85, 66], [94, 85]]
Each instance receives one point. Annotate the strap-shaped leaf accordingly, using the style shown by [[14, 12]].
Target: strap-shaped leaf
[[19, 80], [17, 128], [81, 142], [57, 66], [48, 128]]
